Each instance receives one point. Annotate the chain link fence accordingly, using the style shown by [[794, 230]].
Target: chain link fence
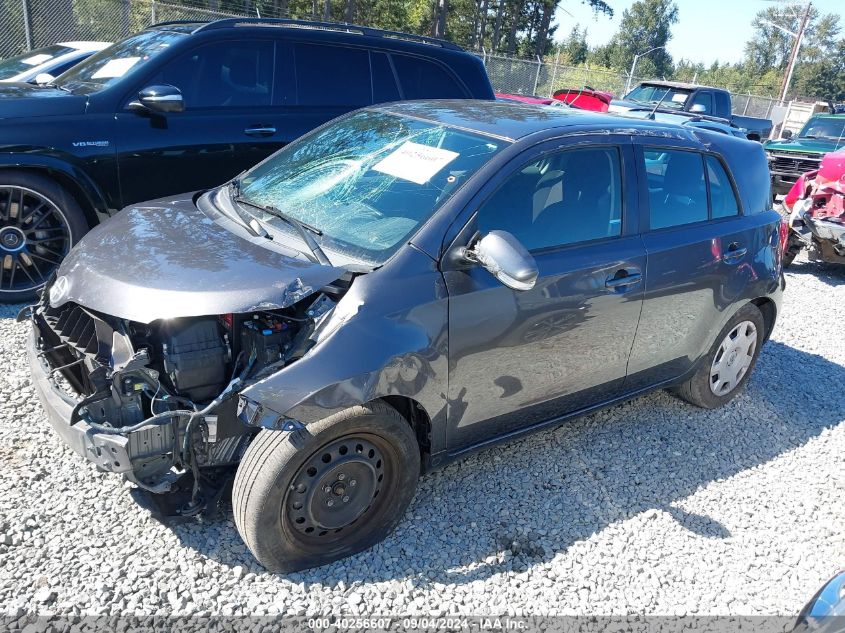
[[29, 24], [536, 77]]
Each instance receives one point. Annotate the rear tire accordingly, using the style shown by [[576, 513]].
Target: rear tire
[[39, 223], [313, 496], [729, 362]]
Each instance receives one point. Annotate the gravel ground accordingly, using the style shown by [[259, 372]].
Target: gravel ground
[[651, 507]]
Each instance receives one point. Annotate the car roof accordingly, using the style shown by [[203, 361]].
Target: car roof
[[194, 26], [677, 84], [513, 120], [86, 45]]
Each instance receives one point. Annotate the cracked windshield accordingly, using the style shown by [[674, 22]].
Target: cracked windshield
[[367, 182]]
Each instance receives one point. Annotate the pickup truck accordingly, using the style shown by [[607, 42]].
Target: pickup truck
[[702, 101], [792, 156]]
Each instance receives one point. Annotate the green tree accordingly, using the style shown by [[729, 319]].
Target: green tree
[[645, 25], [574, 50], [824, 79]]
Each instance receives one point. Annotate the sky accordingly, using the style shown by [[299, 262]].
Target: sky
[[707, 30]]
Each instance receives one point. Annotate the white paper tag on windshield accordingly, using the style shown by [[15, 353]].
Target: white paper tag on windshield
[[115, 68], [679, 97], [415, 162], [36, 60]]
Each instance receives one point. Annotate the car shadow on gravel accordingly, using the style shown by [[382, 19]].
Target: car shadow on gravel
[[831, 274], [515, 506]]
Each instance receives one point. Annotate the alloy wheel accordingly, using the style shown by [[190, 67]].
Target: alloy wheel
[[34, 238], [733, 358]]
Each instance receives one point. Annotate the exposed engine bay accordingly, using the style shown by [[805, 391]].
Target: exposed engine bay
[[816, 204], [161, 399]]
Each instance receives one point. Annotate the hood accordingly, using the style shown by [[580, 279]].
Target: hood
[[805, 145], [621, 105], [169, 259], [27, 100]]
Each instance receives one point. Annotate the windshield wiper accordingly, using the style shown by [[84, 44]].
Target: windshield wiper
[[304, 230]]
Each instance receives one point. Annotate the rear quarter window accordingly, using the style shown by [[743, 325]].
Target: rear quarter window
[[723, 202]]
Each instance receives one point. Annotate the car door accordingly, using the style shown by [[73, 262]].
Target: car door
[[230, 121], [331, 80], [698, 258], [519, 358]]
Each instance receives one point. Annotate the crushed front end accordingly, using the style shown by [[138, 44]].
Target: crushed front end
[[158, 402], [816, 206]]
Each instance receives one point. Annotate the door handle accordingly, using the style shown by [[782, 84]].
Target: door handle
[[260, 130], [623, 278], [734, 253]]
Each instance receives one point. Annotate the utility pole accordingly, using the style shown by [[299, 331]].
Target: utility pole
[[793, 57]]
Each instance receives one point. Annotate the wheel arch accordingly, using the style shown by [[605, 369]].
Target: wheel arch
[[769, 310], [420, 421], [75, 181]]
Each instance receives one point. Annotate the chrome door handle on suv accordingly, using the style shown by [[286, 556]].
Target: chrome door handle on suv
[[623, 278], [260, 130], [734, 253]]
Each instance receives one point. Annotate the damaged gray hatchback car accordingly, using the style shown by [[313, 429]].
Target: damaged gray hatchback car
[[397, 288]]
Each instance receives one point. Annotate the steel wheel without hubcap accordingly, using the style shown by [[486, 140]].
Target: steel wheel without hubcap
[[34, 238], [733, 358], [335, 487]]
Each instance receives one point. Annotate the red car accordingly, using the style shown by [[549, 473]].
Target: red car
[[585, 98], [816, 206], [581, 98]]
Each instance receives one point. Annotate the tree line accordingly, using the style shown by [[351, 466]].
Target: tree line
[[525, 28], [515, 28]]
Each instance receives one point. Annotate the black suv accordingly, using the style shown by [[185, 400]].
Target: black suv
[[186, 106]]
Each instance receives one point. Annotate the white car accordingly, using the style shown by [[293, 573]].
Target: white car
[[51, 60]]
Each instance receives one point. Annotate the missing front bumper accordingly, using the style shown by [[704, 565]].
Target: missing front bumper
[[108, 452]]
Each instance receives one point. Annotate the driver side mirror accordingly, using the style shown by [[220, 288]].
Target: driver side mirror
[[504, 257], [786, 134], [698, 108], [163, 99]]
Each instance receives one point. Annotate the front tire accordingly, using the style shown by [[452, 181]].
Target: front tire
[[313, 496], [39, 223], [729, 362]]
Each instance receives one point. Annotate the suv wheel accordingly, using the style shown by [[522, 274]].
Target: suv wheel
[[727, 366], [39, 222], [310, 497]]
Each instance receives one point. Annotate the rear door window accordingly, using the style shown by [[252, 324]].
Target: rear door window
[[424, 79], [677, 193], [723, 201], [332, 75]]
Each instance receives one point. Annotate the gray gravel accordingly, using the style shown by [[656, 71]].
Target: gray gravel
[[650, 507]]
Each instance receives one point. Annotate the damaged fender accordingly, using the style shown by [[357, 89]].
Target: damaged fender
[[367, 348]]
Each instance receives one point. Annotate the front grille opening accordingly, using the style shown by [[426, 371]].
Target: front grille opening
[[77, 342]]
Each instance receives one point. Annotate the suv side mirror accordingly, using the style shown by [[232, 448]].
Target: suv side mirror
[[163, 99], [786, 134], [698, 108], [44, 79], [502, 255]]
